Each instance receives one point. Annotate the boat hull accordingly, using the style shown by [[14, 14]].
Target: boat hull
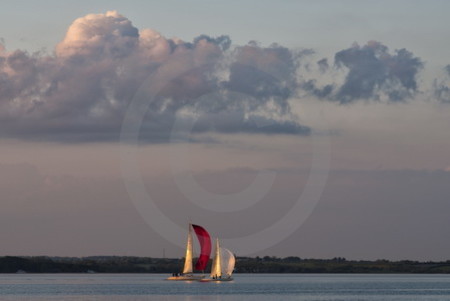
[[186, 278], [216, 280]]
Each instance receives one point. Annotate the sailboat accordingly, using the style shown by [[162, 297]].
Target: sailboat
[[205, 246], [222, 266]]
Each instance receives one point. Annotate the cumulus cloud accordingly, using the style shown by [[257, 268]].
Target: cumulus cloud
[[97, 35], [82, 91]]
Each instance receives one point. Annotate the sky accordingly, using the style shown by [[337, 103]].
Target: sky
[[316, 129]]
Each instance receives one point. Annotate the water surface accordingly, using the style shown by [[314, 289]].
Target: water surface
[[311, 287]]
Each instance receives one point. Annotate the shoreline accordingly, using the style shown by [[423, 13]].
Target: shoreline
[[244, 265]]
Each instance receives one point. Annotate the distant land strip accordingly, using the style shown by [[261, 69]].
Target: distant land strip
[[267, 264]]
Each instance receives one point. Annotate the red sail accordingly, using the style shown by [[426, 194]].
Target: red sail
[[205, 245]]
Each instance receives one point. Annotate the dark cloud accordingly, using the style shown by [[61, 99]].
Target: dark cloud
[[82, 92], [256, 124], [320, 92], [323, 65], [223, 41], [264, 73], [373, 72], [442, 87], [442, 93]]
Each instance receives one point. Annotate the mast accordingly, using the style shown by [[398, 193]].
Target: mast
[[216, 269], [189, 250]]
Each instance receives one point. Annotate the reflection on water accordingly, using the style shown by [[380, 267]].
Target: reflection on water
[[317, 287]]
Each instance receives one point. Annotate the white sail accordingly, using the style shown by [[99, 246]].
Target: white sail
[[189, 250], [228, 261], [216, 269]]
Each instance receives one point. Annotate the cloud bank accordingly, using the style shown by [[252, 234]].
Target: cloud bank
[[82, 90]]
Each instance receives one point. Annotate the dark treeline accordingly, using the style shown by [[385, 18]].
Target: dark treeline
[[267, 264]]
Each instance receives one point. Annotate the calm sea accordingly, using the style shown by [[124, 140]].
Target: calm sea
[[323, 287]]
